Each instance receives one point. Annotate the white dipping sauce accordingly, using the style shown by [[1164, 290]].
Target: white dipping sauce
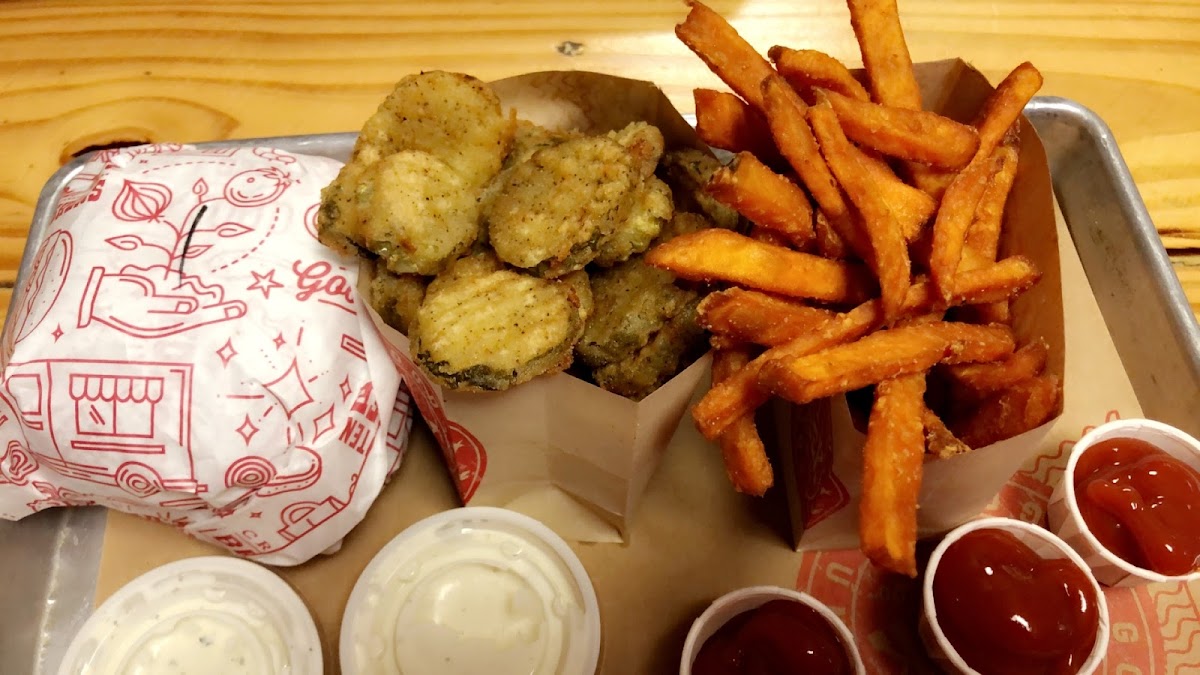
[[196, 617], [463, 596]]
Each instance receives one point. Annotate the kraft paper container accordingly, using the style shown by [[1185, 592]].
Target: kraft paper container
[[1067, 522], [557, 448], [820, 447]]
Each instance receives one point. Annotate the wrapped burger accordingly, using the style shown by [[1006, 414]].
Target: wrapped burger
[[183, 349]]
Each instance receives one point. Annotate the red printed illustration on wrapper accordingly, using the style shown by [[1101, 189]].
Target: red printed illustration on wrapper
[[1155, 630], [263, 428]]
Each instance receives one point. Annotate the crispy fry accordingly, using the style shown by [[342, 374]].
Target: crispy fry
[[939, 440], [725, 121], [1013, 411], [885, 55], [1004, 106], [892, 462], [765, 197], [890, 252], [724, 51], [740, 394], [983, 236], [808, 68], [750, 316], [911, 207], [715, 254], [953, 218], [930, 180], [994, 283], [786, 117], [829, 243], [976, 380], [741, 447], [914, 135], [880, 356]]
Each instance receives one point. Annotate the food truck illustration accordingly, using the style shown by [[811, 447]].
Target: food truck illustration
[[120, 423]]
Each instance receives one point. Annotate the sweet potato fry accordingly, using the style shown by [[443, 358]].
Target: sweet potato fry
[[720, 47], [893, 457], [890, 252], [722, 255], [766, 198], [869, 360], [953, 218], [750, 316], [888, 248], [914, 135], [976, 380], [1010, 412], [930, 180], [1004, 106], [794, 138], [829, 243], [994, 283], [741, 394], [880, 356], [885, 55], [983, 236], [727, 122], [806, 69], [911, 207], [741, 447], [939, 440]]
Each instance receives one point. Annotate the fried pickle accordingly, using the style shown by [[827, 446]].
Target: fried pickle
[[396, 297], [484, 327], [650, 368], [687, 172], [651, 209]]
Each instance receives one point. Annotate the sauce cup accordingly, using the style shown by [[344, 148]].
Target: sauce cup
[[743, 600], [473, 590], [1066, 520], [1047, 546]]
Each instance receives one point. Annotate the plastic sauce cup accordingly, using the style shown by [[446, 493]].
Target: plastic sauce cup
[[473, 590], [743, 600], [1067, 522], [211, 614], [1046, 545]]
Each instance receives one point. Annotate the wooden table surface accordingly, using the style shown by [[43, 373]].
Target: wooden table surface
[[80, 74]]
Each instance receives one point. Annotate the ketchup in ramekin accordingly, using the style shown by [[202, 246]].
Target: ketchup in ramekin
[[1005, 609], [781, 636], [1141, 504]]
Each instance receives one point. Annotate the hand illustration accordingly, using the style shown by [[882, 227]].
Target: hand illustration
[[154, 302]]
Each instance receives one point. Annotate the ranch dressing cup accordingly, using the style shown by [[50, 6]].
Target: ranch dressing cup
[[196, 617], [473, 590], [1067, 521]]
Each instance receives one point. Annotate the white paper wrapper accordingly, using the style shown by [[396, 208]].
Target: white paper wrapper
[[185, 350]]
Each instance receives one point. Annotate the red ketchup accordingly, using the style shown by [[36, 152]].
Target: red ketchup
[[1007, 610], [1141, 503], [778, 638]]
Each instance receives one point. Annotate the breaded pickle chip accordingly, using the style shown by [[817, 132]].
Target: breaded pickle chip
[[687, 171], [484, 327], [650, 210], [396, 297], [454, 117], [579, 286], [633, 302], [344, 203], [554, 209], [421, 214], [682, 222], [658, 361], [644, 143]]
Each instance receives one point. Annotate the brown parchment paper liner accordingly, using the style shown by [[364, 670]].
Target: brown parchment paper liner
[[560, 449], [820, 447]]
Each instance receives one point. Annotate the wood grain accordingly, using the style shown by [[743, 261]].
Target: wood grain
[[75, 74]]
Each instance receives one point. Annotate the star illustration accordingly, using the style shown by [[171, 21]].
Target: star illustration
[[279, 341], [264, 283], [58, 332], [323, 424], [289, 390], [226, 352], [247, 430], [345, 387], [256, 514]]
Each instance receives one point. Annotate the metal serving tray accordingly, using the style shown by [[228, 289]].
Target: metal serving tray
[[49, 562]]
